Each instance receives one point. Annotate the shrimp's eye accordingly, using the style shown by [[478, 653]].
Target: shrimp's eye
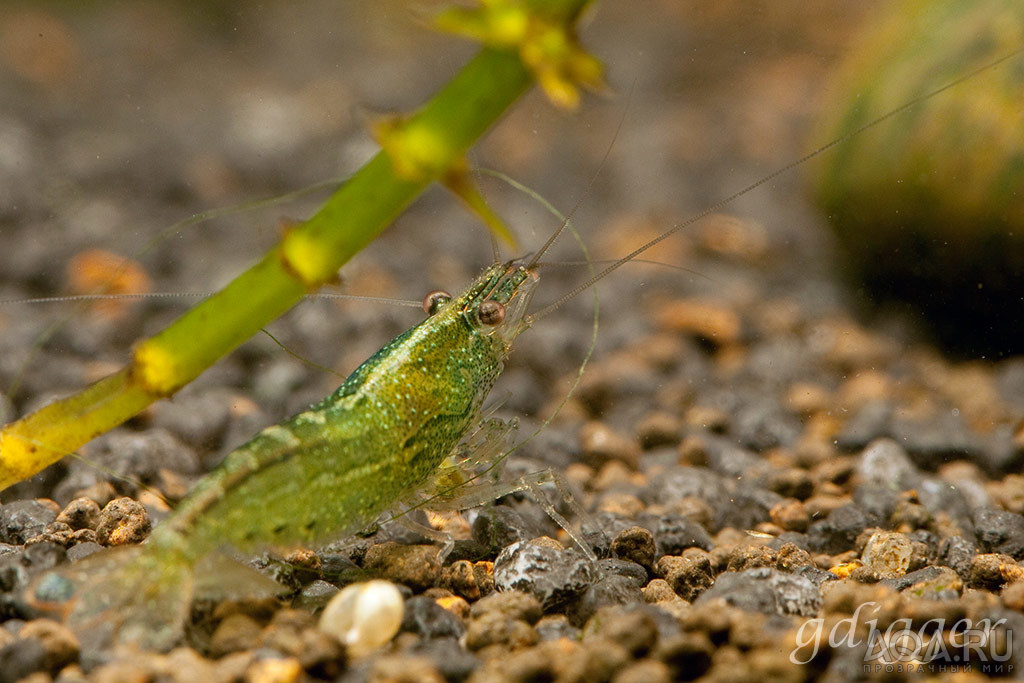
[[491, 313], [435, 300]]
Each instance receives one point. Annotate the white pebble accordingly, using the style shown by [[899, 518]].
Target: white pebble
[[364, 616]]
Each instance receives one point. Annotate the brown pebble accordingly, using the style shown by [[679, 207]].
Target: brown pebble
[[510, 605], [774, 664], [692, 451], [597, 660], [59, 643], [416, 566], [122, 521], [988, 570], [635, 630], [102, 492], [58, 533], [454, 604], [185, 664], [1009, 493], [635, 544], [909, 516], [285, 670], [791, 482], [712, 321], [601, 444], [232, 667], [689, 574], [864, 574], [657, 430], [819, 506], [791, 556], [791, 515], [658, 590], [621, 504], [235, 633], [613, 473], [712, 419], [750, 557], [1013, 596], [687, 654], [493, 628], [459, 578], [806, 398], [81, 513], [404, 669], [644, 671], [294, 633]]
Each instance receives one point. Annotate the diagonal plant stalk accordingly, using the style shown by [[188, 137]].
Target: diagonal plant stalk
[[525, 40]]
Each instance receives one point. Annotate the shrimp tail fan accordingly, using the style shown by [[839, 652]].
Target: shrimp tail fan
[[136, 597]]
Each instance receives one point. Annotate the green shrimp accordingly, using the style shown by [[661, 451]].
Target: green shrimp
[[326, 472]]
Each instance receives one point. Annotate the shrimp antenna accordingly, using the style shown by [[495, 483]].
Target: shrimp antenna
[[768, 178], [590, 185]]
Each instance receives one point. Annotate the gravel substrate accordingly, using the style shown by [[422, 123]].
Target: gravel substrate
[[761, 472]]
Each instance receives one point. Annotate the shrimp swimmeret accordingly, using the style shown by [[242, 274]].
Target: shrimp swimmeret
[[327, 471]]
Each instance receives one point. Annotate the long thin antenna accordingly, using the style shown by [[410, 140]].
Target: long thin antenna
[[768, 178], [590, 184]]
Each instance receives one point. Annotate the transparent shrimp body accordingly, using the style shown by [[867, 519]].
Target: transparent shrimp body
[[326, 472]]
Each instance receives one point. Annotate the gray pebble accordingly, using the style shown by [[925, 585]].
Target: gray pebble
[[816, 575], [609, 590], [937, 440], [497, 526], [552, 576], [764, 424], [199, 419], [1000, 531], [944, 579], [958, 552], [24, 519], [556, 626], [886, 464], [940, 497], [766, 590], [21, 658], [80, 551], [877, 501], [837, 532], [424, 617], [675, 533], [619, 567], [453, 662], [315, 595], [869, 423]]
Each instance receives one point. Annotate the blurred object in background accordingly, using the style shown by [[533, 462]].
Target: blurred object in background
[[930, 207]]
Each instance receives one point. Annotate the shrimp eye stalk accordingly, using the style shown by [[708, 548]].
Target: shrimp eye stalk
[[433, 302], [490, 313]]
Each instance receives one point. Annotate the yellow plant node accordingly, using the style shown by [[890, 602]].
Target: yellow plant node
[[417, 152], [545, 45], [157, 369], [305, 257], [19, 458]]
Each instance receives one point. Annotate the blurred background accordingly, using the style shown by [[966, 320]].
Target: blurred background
[[121, 118]]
